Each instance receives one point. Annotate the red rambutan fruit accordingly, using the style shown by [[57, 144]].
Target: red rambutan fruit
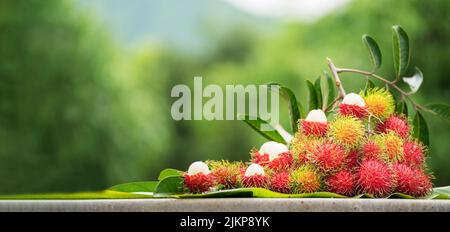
[[413, 154], [353, 105], [305, 179], [342, 182], [255, 177], [259, 158], [226, 174], [302, 146], [375, 177], [391, 146], [371, 150], [198, 179], [280, 182], [284, 161], [315, 124], [352, 159], [396, 124], [328, 156], [411, 181]]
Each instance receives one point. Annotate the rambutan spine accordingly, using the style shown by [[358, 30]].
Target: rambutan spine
[[375, 177], [342, 182], [305, 179]]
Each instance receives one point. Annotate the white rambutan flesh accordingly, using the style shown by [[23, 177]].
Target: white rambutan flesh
[[254, 169], [354, 99], [273, 149], [198, 167], [316, 116]]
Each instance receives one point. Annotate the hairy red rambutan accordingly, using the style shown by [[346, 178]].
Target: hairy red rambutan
[[396, 124], [284, 161], [255, 177], [342, 182], [315, 124], [391, 146], [259, 158], [226, 174], [371, 150], [328, 156], [352, 110], [413, 154], [280, 182], [305, 179], [411, 181], [374, 177], [302, 146], [352, 160], [198, 183]]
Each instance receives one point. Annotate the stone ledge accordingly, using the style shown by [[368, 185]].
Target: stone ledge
[[228, 205]]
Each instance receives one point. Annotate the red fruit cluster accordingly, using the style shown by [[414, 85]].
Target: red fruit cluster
[[283, 162], [411, 181]]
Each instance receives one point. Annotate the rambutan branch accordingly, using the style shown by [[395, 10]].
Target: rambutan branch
[[337, 81]]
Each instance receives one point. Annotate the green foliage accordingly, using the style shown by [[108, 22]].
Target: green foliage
[[294, 106], [441, 110], [268, 131], [400, 46], [421, 129], [374, 50]]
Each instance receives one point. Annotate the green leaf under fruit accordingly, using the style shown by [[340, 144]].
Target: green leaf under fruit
[[295, 107], [374, 50], [400, 44], [421, 129], [313, 101], [402, 108], [415, 81], [169, 172], [441, 110], [269, 133], [107, 194], [169, 186], [143, 186]]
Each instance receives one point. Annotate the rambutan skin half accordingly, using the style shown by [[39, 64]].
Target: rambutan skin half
[[412, 181], [328, 156], [198, 183], [284, 161], [280, 182], [396, 124], [413, 154], [375, 177], [352, 110], [347, 131], [305, 180], [318, 129], [342, 182], [255, 181]]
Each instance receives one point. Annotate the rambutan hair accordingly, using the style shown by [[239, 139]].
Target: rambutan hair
[[375, 177], [342, 182], [353, 159], [226, 174], [371, 150], [198, 183], [379, 102], [328, 156], [391, 146], [318, 129], [280, 182], [305, 179], [303, 146], [258, 158], [347, 131], [413, 154], [284, 161], [410, 181], [397, 124], [352, 110], [255, 181]]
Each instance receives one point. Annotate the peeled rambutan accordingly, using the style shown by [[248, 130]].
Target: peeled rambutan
[[371, 150], [198, 179], [413, 154], [255, 177], [375, 177], [302, 146], [280, 182], [352, 160], [353, 105], [391, 146], [226, 174], [305, 179], [347, 131], [273, 154], [379, 102], [259, 158], [328, 156], [342, 182], [396, 124], [315, 124], [411, 181]]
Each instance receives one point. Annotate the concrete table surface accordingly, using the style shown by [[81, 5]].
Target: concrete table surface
[[227, 205]]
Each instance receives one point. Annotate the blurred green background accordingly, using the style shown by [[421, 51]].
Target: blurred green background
[[85, 85]]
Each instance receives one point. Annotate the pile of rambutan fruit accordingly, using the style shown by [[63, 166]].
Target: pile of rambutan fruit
[[346, 145]]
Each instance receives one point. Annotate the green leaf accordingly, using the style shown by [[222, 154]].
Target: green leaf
[[441, 110], [295, 107], [318, 87], [269, 133], [107, 194], [369, 85], [313, 102], [144, 186], [169, 172], [402, 108], [400, 44], [415, 81], [374, 50], [331, 89], [169, 186], [421, 129], [440, 193]]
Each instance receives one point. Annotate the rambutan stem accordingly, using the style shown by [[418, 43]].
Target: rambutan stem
[[337, 81]]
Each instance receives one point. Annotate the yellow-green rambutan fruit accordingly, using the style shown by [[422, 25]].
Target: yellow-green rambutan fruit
[[379, 102], [303, 146], [227, 174], [391, 146], [347, 131], [305, 179]]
